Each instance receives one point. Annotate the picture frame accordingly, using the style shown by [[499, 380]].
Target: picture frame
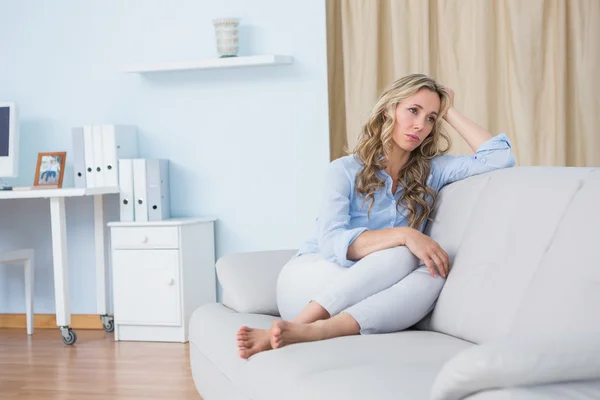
[[50, 170]]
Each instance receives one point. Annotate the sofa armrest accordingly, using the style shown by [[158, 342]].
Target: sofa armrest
[[519, 360], [249, 280]]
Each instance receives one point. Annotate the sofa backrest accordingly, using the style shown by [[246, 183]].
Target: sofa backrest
[[524, 244]]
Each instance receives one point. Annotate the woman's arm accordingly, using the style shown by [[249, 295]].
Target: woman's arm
[[342, 244], [491, 152], [371, 241], [421, 245], [334, 234], [472, 133]]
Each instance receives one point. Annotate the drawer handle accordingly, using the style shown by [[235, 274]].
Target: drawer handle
[[145, 239], [170, 281]]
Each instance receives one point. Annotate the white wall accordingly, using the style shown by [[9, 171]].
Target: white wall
[[246, 145]]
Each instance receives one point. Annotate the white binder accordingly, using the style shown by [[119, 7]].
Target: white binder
[[139, 190], [157, 189], [88, 144], [151, 189], [98, 156], [78, 157], [118, 142], [126, 198]]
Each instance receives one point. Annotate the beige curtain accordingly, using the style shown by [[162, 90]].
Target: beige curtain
[[528, 68]]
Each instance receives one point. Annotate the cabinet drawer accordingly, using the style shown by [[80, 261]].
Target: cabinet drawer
[[145, 237], [147, 287]]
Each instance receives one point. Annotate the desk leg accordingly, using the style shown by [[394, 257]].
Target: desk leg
[[101, 270], [61, 268]]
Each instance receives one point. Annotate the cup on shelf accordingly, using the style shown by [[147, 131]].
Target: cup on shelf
[[226, 34]]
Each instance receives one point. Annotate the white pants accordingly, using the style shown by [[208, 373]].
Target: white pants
[[386, 291]]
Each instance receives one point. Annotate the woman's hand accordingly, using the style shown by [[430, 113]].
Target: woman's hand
[[426, 249], [473, 134]]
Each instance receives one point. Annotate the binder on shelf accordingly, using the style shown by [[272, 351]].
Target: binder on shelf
[[103, 146], [118, 142], [126, 198], [90, 174], [151, 189], [78, 157], [97, 166], [157, 189], [139, 190]]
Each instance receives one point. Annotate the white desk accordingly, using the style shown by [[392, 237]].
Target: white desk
[[59, 250]]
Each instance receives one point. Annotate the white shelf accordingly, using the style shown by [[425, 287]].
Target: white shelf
[[229, 62]]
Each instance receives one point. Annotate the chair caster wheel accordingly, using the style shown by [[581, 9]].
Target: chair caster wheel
[[108, 323], [69, 336]]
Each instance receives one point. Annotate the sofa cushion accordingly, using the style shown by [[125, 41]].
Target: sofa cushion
[[210, 381], [511, 231], [213, 328], [391, 366], [564, 294], [450, 218], [452, 213]]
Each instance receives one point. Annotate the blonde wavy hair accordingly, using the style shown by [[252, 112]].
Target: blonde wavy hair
[[375, 144]]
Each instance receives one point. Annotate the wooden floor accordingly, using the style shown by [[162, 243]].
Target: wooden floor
[[95, 368]]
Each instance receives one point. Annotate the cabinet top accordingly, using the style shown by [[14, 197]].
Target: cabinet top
[[166, 222]]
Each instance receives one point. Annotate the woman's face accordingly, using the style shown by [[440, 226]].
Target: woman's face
[[415, 118]]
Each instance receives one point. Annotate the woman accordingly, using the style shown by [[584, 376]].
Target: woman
[[369, 242]]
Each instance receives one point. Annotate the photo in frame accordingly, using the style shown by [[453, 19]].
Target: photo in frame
[[50, 170]]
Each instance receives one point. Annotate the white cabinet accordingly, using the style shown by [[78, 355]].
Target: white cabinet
[[162, 272], [150, 278]]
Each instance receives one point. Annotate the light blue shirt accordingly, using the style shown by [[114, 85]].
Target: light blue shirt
[[343, 216]]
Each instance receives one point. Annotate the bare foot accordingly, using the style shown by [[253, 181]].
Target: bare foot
[[251, 341], [285, 332]]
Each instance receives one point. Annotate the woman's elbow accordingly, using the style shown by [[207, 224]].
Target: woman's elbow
[[502, 159], [333, 250], [326, 246], [354, 252], [510, 160], [329, 245]]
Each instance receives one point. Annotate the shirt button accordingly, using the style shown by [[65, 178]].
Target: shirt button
[[482, 160]]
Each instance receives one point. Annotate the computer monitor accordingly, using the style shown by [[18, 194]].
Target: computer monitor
[[9, 140]]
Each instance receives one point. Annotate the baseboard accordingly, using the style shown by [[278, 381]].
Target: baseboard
[[48, 321]]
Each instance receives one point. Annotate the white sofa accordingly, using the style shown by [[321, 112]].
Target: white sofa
[[518, 318]]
